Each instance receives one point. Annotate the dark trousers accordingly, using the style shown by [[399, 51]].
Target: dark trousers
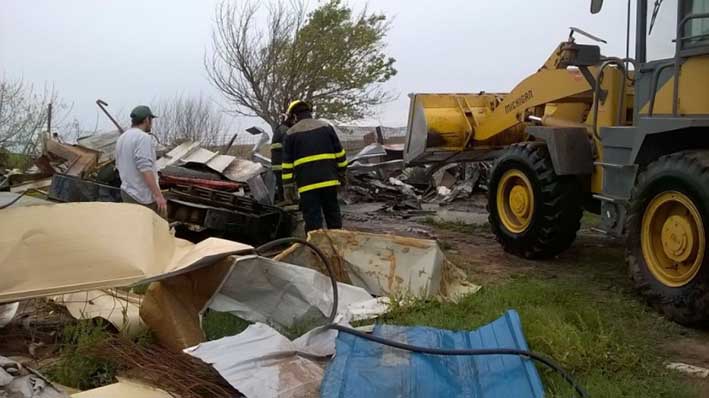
[[317, 202], [279, 187], [129, 199]]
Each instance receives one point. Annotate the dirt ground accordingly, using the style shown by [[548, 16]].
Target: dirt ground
[[473, 248]]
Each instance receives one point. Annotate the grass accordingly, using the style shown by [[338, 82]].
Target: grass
[[76, 366], [76, 369], [14, 160], [606, 339], [457, 226], [222, 324], [590, 220]]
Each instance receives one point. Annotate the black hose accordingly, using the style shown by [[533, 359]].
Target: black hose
[[283, 241], [408, 347]]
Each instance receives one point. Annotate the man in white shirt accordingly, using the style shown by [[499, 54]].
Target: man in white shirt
[[135, 160]]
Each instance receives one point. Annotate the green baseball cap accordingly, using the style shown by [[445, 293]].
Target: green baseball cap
[[140, 112]]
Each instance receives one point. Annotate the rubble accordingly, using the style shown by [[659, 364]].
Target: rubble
[[18, 381], [88, 266], [216, 213], [189, 159], [377, 174]]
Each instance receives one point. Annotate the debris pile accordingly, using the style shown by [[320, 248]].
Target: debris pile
[[18, 381], [209, 193], [377, 174], [118, 246]]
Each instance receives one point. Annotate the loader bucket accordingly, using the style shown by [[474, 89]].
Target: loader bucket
[[443, 124]]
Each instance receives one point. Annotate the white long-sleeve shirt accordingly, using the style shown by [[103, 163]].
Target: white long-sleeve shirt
[[135, 153]]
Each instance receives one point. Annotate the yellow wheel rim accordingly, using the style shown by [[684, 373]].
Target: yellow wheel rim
[[672, 238], [515, 201]]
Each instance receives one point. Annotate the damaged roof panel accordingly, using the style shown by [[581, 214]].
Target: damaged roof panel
[[362, 368]]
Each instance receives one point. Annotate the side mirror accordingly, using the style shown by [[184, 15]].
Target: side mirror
[[596, 6]]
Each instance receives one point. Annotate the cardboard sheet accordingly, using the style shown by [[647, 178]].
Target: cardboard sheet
[[120, 308], [63, 248], [173, 307], [123, 389]]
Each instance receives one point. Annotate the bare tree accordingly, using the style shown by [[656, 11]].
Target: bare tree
[[329, 57], [184, 118], [23, 113]]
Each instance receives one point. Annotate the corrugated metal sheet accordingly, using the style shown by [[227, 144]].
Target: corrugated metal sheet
[[103, 142], [240, 170], [366, 369]]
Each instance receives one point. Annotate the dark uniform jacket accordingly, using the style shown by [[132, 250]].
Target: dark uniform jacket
[[313, 157]]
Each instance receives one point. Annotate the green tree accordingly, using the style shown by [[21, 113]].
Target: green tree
[[331, 57]]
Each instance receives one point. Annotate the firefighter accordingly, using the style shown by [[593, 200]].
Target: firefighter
[[277, 156], [314, 163]]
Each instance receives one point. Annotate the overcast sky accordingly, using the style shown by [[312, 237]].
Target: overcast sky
[[132, 52]]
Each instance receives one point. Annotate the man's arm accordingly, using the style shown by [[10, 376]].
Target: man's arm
[[144, 162], [149, 178]]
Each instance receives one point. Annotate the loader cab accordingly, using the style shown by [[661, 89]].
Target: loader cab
[[671, 102], [672, 52]]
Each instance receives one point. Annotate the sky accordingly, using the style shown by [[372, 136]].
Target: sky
[[130, 52]]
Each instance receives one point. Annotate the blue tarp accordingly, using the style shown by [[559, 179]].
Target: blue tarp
[[362, 368]]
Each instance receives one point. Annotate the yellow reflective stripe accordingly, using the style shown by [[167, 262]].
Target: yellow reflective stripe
[[324, 184], [287, 176], [277, 145], [340, 154], [276, 167], [342, 164], [287, 165], [314, 158]]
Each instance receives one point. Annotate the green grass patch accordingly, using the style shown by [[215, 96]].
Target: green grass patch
[[222, 324], [11, 161], [608, 341], [78, 366], [77, 369], [590, 220], [456, 226]]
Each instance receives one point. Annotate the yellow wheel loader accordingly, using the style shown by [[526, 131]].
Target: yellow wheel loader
[[624, 138]]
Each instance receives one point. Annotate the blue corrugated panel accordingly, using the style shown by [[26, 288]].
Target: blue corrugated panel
[[364, 369]]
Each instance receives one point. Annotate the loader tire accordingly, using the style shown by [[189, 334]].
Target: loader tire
[[666, 242], [533, 212]]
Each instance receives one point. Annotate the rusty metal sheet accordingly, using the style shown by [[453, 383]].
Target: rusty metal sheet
[[384, 264]]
